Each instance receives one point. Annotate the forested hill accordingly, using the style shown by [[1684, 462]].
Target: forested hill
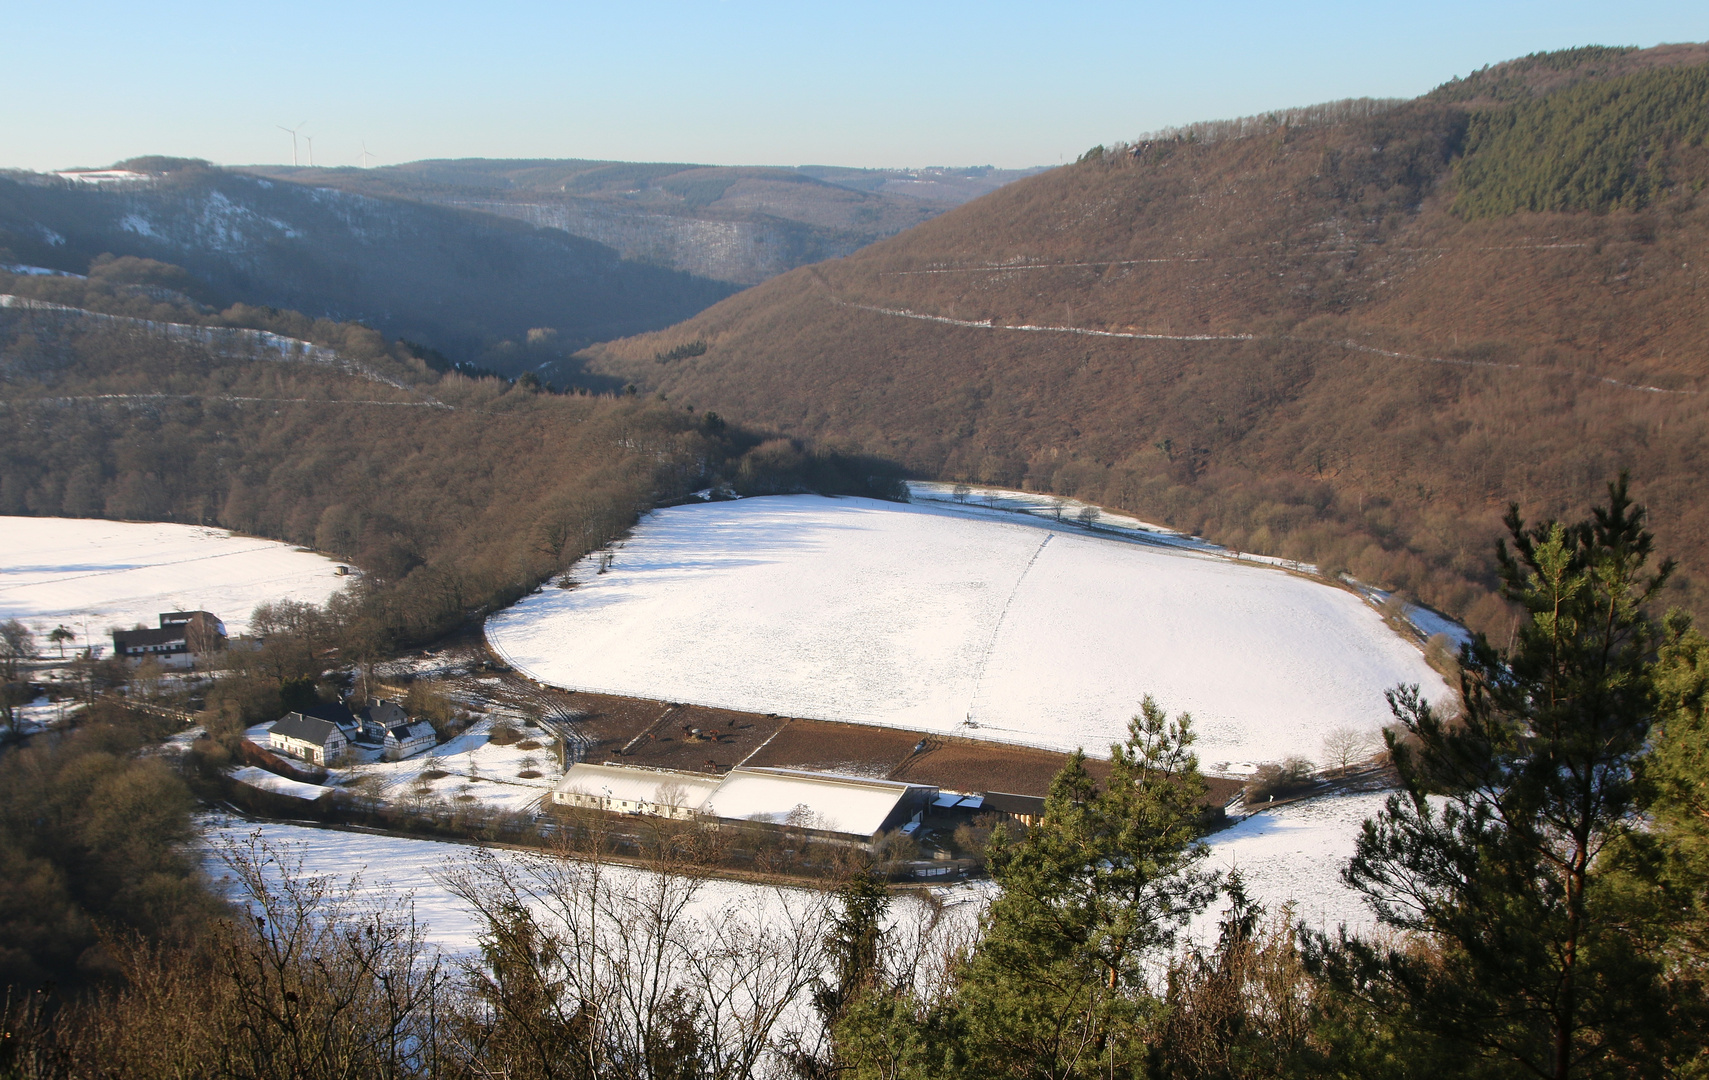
[[484, 289], [1347, 334], [455, 494]]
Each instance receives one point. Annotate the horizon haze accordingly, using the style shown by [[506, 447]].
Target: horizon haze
[[732, 83]]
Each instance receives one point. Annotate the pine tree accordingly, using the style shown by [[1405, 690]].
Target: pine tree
[[853, 944], [1058, 985], [1677, 778], [1494, 858], [1663, 878]]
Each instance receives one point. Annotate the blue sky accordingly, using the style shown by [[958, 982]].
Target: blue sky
[[728, 81]]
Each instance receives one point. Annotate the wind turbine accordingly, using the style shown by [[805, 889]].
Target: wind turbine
[[365, 154], [293, 134], [310, 139]]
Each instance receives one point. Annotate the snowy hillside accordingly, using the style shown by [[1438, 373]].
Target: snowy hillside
[[1295, 853], [930, 617], [92, 575], [394, 867]]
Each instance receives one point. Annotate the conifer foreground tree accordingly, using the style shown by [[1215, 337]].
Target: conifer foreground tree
[[1058, 986], [1058, 983], [1495, 859]]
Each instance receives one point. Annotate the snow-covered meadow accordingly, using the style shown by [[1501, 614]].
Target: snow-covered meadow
[[92, 576], [1294, 854], [1290, 854], [958, 620], [389, 868]]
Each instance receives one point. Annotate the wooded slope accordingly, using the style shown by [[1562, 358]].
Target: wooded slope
[[455, 495], [1349, 334]]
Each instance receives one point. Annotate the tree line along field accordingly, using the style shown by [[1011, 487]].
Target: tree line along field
[[1348, 337]]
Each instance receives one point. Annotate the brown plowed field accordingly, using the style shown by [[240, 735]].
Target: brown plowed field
[[653, 731], [849, 749]]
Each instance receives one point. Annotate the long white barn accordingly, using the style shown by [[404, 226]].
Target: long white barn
[[846, 806]]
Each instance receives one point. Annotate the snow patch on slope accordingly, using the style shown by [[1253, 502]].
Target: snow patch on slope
[[1295, 854]]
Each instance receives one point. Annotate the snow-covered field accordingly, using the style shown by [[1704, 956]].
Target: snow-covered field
[[388, 866], [394, 866], [92, 576], [933, 615], [1296, 852]]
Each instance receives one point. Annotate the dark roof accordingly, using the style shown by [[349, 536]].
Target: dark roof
[[1006, 803], [167, 618], [333, 712], [387, 714], [127, 639], [309, 729]]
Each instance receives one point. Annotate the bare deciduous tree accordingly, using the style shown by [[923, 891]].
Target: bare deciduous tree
[[589, 968], [323, 984], [17, 644], [1345, 747]]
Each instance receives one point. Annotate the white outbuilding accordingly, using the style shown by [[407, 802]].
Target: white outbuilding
[[848, 808], [851, 806], [626, 789]]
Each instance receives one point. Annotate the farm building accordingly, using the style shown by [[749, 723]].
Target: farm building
[[1026, 809], [378, 717], [180, 636], [850, 807], [626, 789], [845, 807], [408, 739], [309, 734], [309, 737]]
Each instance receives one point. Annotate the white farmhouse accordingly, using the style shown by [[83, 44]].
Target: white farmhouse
[[309, 738], [410, 738]]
